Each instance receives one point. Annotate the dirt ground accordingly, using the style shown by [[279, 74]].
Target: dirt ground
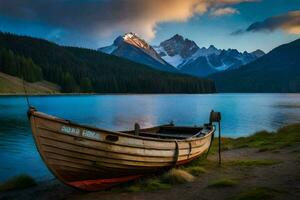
[[283, 177]]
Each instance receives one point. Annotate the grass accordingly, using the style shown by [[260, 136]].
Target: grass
[[164, 181], [263, 140], [224, 182], [14, 85], [195, 170], [200, 162], [150, 184], [177, 176], [251, 162], [258, 193], [18, 182]]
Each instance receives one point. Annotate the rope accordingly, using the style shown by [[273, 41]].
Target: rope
[[176, 155], [190, 149], [26, 96]]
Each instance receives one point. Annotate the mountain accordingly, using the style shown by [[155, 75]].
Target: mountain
[[131, 47], [179, 55], [277, 71], [258, 53], [213, 60], [185, 55], [86, 70], [176, 50]]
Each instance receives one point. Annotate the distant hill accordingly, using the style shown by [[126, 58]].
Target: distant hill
[[85, 70], [277, 71], [13, 85]]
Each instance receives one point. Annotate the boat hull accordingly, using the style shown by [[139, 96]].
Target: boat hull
[[93, 159]]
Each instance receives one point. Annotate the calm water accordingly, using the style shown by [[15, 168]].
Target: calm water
[[242, 114]]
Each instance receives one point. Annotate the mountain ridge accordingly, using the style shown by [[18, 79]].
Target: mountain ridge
[[202, 61], [179, 54]]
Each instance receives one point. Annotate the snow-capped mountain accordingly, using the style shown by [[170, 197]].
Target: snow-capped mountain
[[180, 55], [186, 56], [134, 48]]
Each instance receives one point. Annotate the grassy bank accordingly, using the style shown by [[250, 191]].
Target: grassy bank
[[264, 140], [10, 85]]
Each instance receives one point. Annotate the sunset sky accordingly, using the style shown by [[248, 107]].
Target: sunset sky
[[242, 24]]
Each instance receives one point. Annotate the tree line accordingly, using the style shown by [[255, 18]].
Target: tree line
[[19, 66]]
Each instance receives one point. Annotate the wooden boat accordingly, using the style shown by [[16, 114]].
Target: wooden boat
[[91, 159]]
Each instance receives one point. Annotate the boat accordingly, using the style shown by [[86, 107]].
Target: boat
[[91, 159]]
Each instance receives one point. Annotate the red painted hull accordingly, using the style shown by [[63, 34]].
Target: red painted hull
[[101, 184]]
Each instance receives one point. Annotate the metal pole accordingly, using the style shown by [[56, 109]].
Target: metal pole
[[219, 143]]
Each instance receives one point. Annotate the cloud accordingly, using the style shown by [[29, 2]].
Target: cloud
[[224, 11], [100, 18], [289, 22]]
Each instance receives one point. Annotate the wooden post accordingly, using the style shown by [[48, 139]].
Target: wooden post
[[216, 117], [136, 129]]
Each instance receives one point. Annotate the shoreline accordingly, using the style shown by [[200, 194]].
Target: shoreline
[[248, 168], [95, 94]]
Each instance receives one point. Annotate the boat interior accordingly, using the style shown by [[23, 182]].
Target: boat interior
[[169, 132]]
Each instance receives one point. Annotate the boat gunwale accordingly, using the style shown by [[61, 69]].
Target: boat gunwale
[[109, 143], [68, 122]]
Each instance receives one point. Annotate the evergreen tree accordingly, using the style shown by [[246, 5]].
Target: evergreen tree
[[20, 66], [69, 84], [86, 85]]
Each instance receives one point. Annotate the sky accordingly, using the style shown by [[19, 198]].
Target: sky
[[240, 24]]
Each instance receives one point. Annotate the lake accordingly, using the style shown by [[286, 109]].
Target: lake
[[242, 114]]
